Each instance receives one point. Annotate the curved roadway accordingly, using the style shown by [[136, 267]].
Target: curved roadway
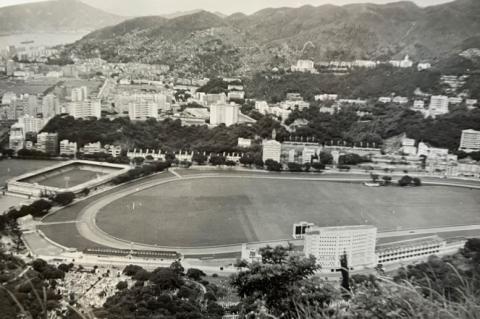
[[87, 227]]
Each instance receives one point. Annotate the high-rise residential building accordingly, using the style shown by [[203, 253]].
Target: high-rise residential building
[[470, 141], [222, 113], [50, 106], [32, 106], [48, 143], [142, 109], [92, 148], [10, 67], [79, 94], [16, 140], [329, 244], [68, 148], [85, 109], [438, 105], [32, 124], [272, 150]]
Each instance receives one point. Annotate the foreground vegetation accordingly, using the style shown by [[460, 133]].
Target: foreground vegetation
[[280, 286]]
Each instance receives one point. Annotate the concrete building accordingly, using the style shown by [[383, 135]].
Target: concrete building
[[438, 105], [92, 148], [304, 66], [47, 143], [409, 249], [79, 94], [430, 152], [244, 142], [16, 140], [50, 106], [423, 66], [408, 146], [32, 124], [68, 148], [271, 149], [142, 109], [85, 109], [470, 141], [227, 114], [329, 244]]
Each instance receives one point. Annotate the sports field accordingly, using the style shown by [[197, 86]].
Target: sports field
[[71, 178], [229, 210]]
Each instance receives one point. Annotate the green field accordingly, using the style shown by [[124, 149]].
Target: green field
[[216, 211], [75, 177]]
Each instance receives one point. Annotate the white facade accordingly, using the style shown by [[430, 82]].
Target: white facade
[[50, 106], [227, 114], [17, 137], [470, 141], [244, 142], [79, 94], [47, 143], [431, 152], [142, 110], [423, 66], [68, 148], [84, 109], [409, 249], [329, 244], [438, 105], [92, 148], [304, 66], [271, 150]]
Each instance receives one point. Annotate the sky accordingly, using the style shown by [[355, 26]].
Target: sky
[[158, 7]]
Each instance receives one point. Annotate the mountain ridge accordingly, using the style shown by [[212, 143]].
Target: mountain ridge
[[54, 16], [279, 36]]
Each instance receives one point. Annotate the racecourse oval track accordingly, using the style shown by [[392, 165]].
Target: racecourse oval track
[[218, 210]]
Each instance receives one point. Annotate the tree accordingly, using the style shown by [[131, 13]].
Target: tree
[[247, 160], [63, 199], [131, 270], [405, 181], [138, 161], [273, 165], [165, 279], [278, 282], [318, 166], [217, 160], [122, 285], [230, 163], [199, 158], [177, 267], [195, 274], [417, 181], [374, 177], [326, 158], [294, 167], [387, 180]]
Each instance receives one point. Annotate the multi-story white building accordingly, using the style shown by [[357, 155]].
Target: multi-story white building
[[423, 66], [271, 149], [227, 114], [410, 249], [79, 94], [47, 143], [92, 148], [470, 141], [304, 66], [329, 244], [32, 124], [68, 148], [16, 140], [142, 109], [85, 109], [50, 106], [438, 105]]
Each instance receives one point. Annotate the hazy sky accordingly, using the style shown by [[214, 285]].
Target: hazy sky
[[155, 7]]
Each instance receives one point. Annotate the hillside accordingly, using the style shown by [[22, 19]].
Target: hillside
[[54, 16], [280, 36]]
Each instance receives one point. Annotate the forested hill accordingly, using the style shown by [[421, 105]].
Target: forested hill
[[282, 35]]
